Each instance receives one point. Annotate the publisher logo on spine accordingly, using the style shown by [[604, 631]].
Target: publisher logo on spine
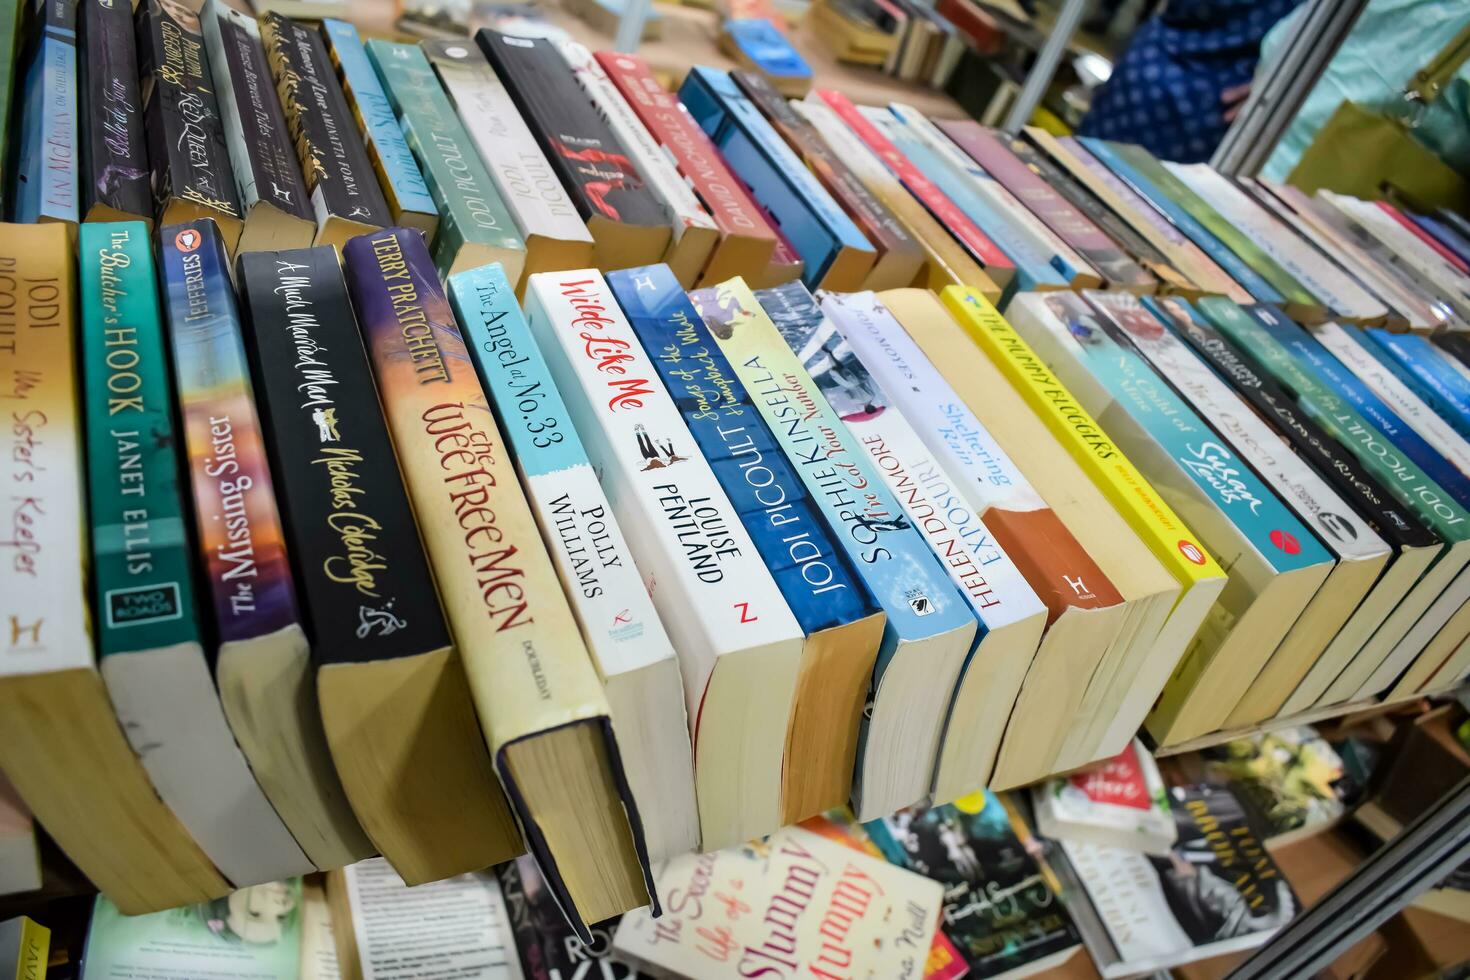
[[1191, 551], [188, 240], [143, 604], [1286, 541]]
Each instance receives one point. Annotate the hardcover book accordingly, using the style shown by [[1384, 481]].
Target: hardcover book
[[475, 228], [388, 683], [796, 887], [191, 173], [998, 267], [1415, 546], [554, 234], [738, 642], [148, 631], [539, 699], [747, 241], [840, 620], [1404, 633], [694, 231], [114, 148], [1002, 910], [1360, 554], [267, 174], [899, 254], [632, 653], [629, 225], [983, 421], [345, 196], [1121, 803], [946, 261], [1277, 565], [399, 177], [46, 173], [263, 664], [1028, 563], [835, 252], [929, 629], [993, 154], [55, 716]]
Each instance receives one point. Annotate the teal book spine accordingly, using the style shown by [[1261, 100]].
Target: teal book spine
[[141, 569], [471, 212], [393, 160]]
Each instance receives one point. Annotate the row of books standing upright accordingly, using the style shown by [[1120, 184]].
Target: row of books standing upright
[[688, 566]]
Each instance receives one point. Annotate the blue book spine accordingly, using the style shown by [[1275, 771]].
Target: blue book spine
[[1347, 387], [48, 163], [397, 169], [1421, 366], [816, 226], [767, 47], [814, 575], [1233, 264]]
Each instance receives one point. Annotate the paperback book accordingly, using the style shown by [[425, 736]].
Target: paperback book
[[1121, 803], [46, 172], [114, 166], [543, 945]]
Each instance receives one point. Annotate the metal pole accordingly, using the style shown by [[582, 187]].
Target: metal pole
[[630, 25], [1039, 78]]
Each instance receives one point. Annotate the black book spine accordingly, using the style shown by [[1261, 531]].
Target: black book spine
[[1455, 345], [186, 139], [114, 148], [350, 531], [592, 164], [1338, 467], [328, 139]]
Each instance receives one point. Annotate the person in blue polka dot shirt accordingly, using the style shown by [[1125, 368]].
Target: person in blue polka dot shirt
[[1185, 74]]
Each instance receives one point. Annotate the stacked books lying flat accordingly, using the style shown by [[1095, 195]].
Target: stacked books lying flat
[[476, 449]]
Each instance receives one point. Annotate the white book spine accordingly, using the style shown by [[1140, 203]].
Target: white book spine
[[1421, 261], [653, 164]]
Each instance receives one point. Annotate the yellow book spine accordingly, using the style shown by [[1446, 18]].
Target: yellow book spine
[[1154, 521], [35, 950]]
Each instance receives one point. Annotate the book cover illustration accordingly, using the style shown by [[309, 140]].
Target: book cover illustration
[[1000, 909], [1122, 802], [1290, 781], [115, 174], [546, 948]]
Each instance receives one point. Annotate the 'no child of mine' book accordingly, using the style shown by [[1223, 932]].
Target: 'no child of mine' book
[[401, 727], [841, 621], [738, 642], [629, 226], [637, 663], [929, 629], [192, 175], [475, 228], [540, 702], [114, 174], [263, 667], [345, 196], [148, 627], [267, 173], [46, 175], [55, 715]]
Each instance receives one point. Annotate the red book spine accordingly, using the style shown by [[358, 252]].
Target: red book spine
[[1413, 228], [944, 210], [973, 21]]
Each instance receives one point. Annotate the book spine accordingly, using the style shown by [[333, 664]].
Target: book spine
[[398, 174], [985, 251], [879, 539], [43, 605], [1421, 366], [141, 573], [114, 148], [814, 576], [527, 667], [353, 541], [261, 156], [1411, 485], [186, 140], [1152, 519], [576, 519], [525, 179], [47, 166], [235, 515], [696, 157], [470, 209], [333, 159]]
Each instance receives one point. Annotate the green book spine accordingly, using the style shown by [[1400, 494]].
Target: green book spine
[[141, 571]]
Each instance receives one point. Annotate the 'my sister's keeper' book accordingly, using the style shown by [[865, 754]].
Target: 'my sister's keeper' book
[[739, 643], [148, 629], [838, 615], [929, 630], [263, 667], [540, 701], [639, 669], [394, 704]]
